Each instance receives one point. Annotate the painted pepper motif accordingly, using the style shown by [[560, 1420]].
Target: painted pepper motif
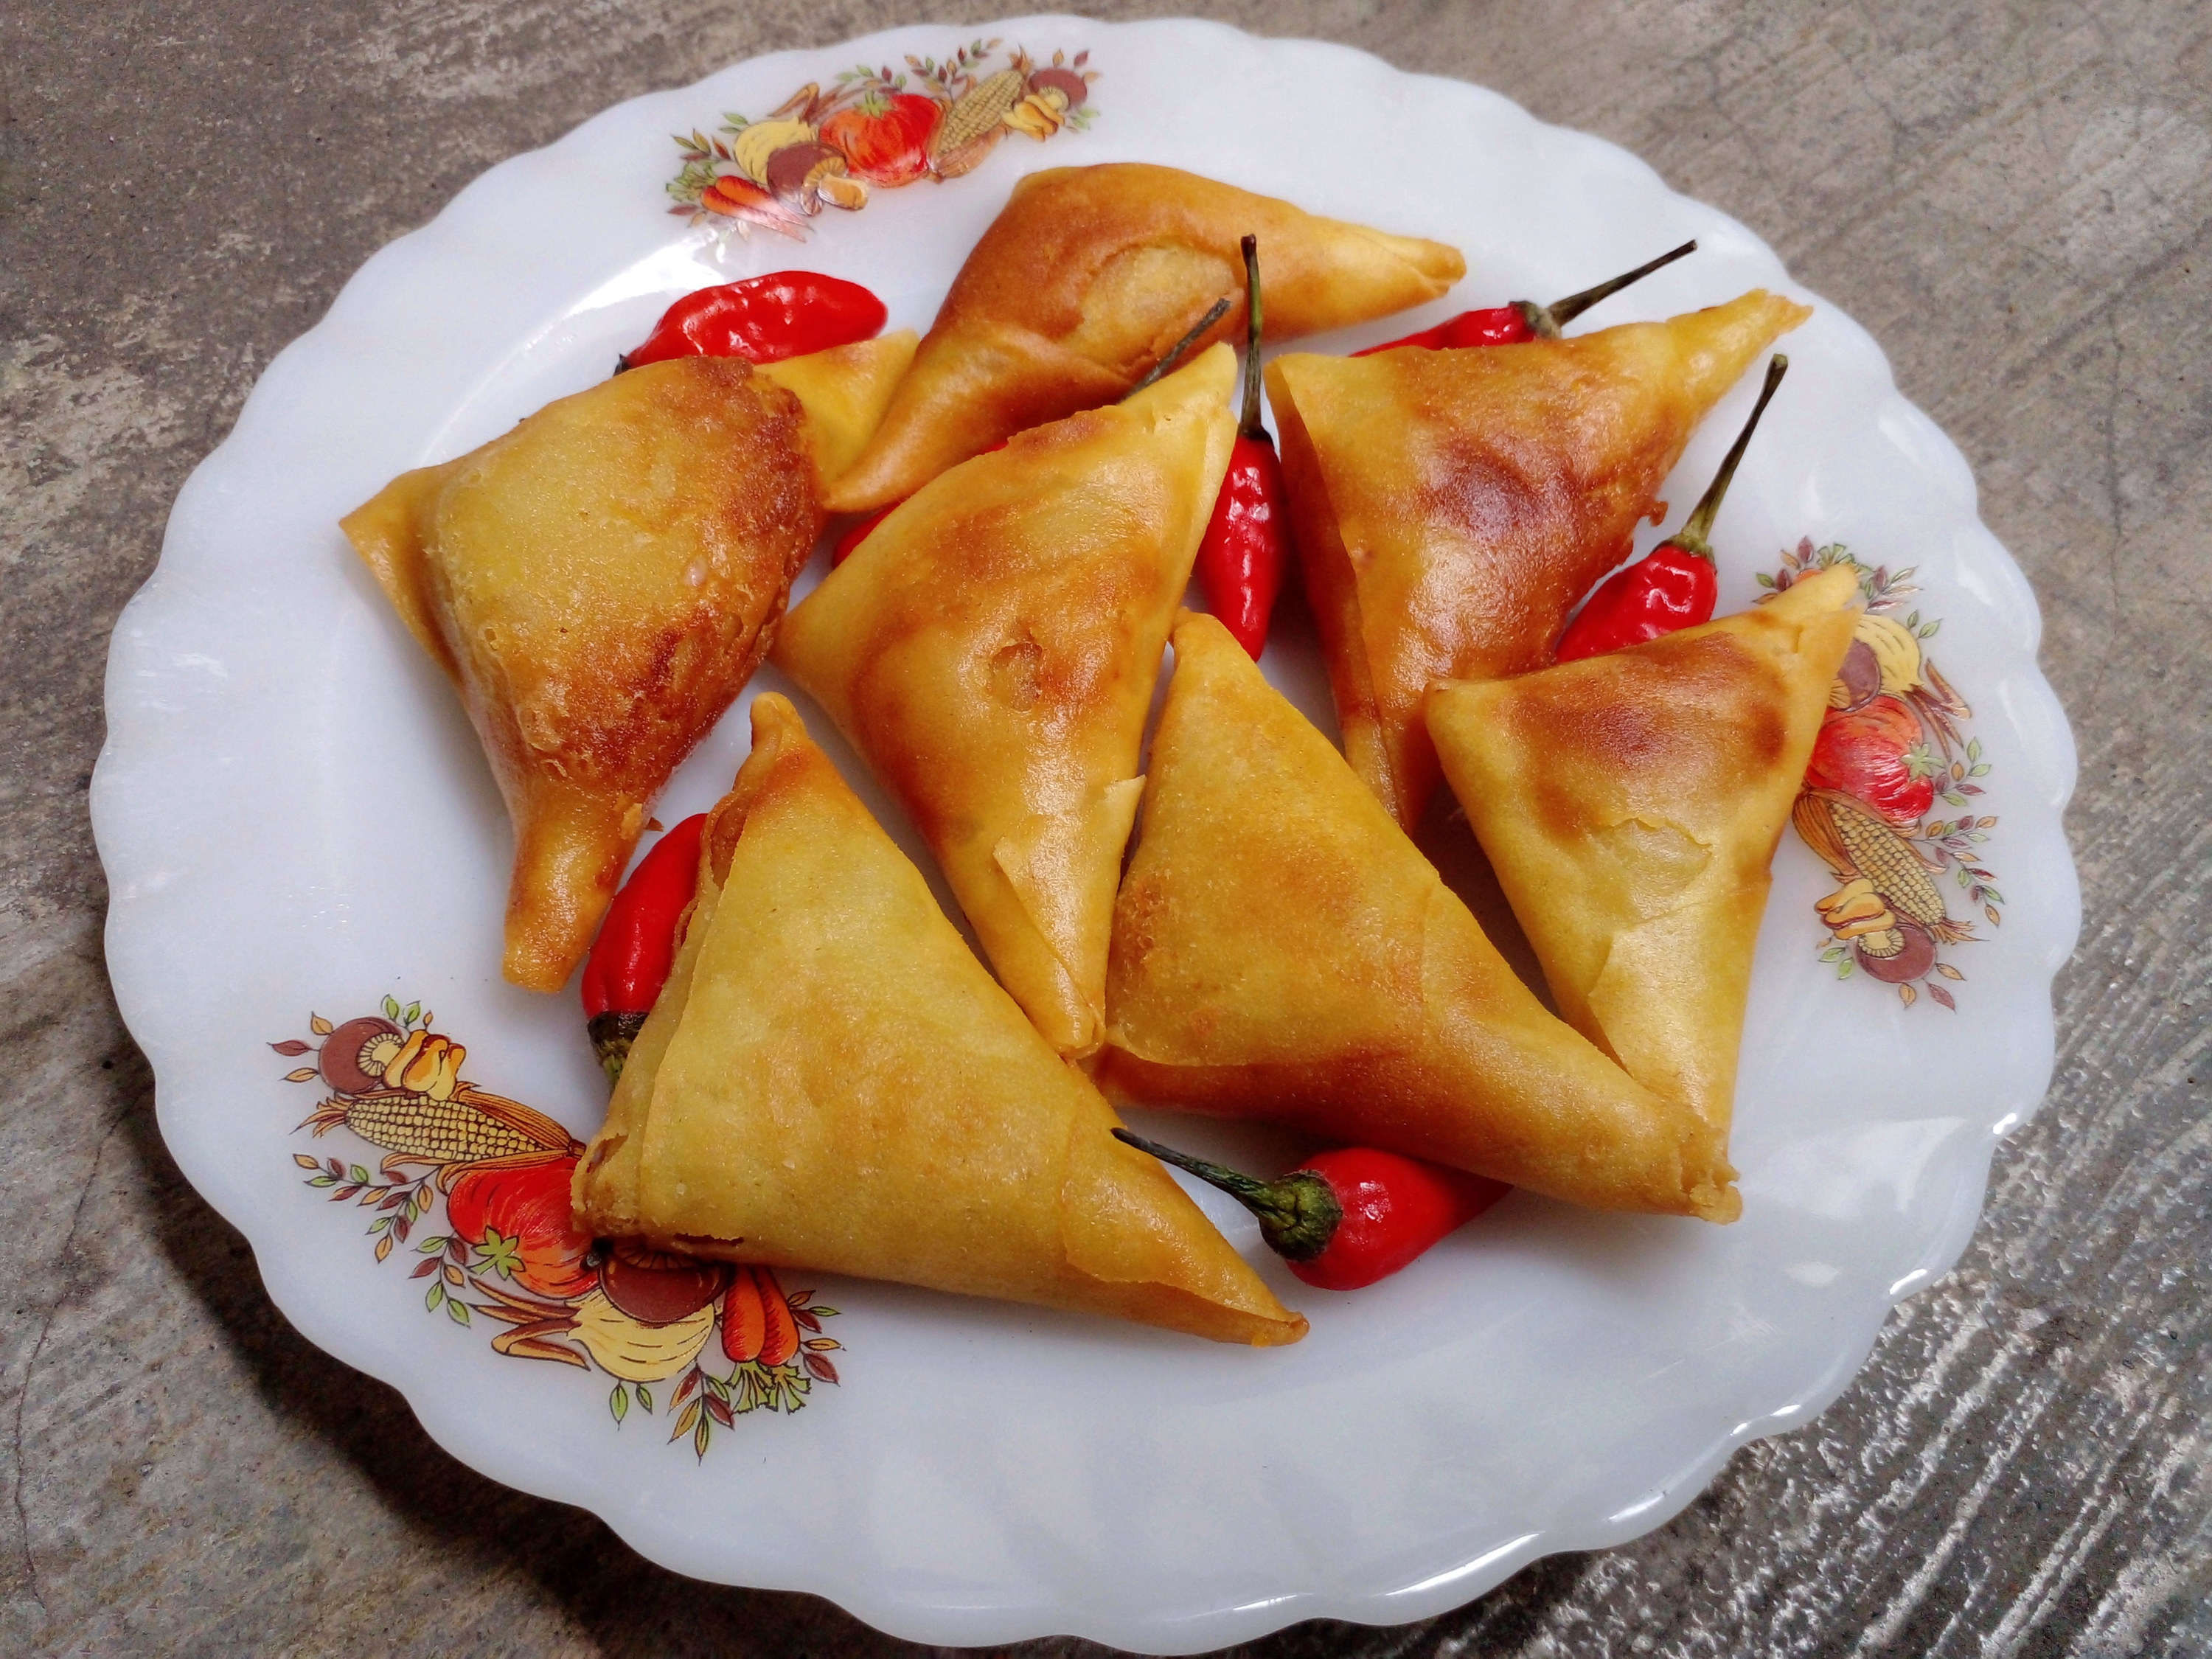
[[874, 127], [510, 1251]]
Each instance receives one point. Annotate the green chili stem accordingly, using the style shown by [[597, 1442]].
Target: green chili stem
[[1174, 355], [1248, 1189], [1298, 1214], [1563, 312], [1692, 538], [1250, 426]]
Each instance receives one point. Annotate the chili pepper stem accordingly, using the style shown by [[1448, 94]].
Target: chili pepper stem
[[1248, 424], [1219, 310], [613, 1032], [1692, 538], [1547, 321], [1541, 322], [1298, 1214]]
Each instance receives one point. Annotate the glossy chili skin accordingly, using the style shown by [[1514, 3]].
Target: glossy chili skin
[[1668, 589], [636, 945], [1675, 584], [1394, 1209], [859, 532], [1248, 536], [1496, 325], [763, 319], [1524, 319], [1346, 1218], [1247, 543]]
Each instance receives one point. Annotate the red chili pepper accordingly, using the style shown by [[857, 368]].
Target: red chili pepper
[[1347, 1218], [862, 528], [1524, 319], [1248, 540], [1240, 562], [859, 533], [636, 945], [1506, 325], [763, 319], [1675, 584]]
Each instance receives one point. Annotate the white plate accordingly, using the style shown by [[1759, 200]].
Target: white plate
[[294, 817]]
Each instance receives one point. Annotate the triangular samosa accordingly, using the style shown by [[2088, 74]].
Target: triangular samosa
[[600, 581], [830, 1080], [1085, 281], [992, 649], [1281, 950], [1630, 804], [1452, 507]]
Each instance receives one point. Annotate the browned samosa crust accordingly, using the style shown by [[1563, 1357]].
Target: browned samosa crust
[[831, 1081], [845, 391], [1087, 279], [600, 583], [1281, 950], [1451, 506], [992, 649], [1630, 804]]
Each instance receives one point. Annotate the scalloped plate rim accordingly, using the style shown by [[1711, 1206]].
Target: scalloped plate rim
[[185, 573]]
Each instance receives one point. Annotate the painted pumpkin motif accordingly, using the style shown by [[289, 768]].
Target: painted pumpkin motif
[[528, 1208], [886, 141], [1876, 754], [876, 128]]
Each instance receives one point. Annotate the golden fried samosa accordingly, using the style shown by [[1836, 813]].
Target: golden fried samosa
[[600, 583], [830, 1080], [992, 649], [1451, 506], [1089, 277], [844, 391], [1281, 950], [1630, 804]]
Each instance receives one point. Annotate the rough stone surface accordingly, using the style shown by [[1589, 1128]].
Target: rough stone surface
[[2016, 198]]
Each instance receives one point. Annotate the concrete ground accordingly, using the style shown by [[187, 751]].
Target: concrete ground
[[2016, 198]]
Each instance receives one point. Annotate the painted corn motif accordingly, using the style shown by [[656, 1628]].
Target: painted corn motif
[[874, 128], [1892, 750], [716, 1340]]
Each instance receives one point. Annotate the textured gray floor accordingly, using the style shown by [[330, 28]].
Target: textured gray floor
[[2017, 200]]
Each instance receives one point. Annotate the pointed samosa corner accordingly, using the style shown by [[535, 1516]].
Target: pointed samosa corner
[[991, 649], [1630, 804], [600, 583], [830, 1079], [1281, 950], [1451, 506], [1084, 282]]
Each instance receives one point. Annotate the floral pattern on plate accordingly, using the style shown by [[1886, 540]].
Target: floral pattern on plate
[[875, 129], [1891, 748], [511, 1253]]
